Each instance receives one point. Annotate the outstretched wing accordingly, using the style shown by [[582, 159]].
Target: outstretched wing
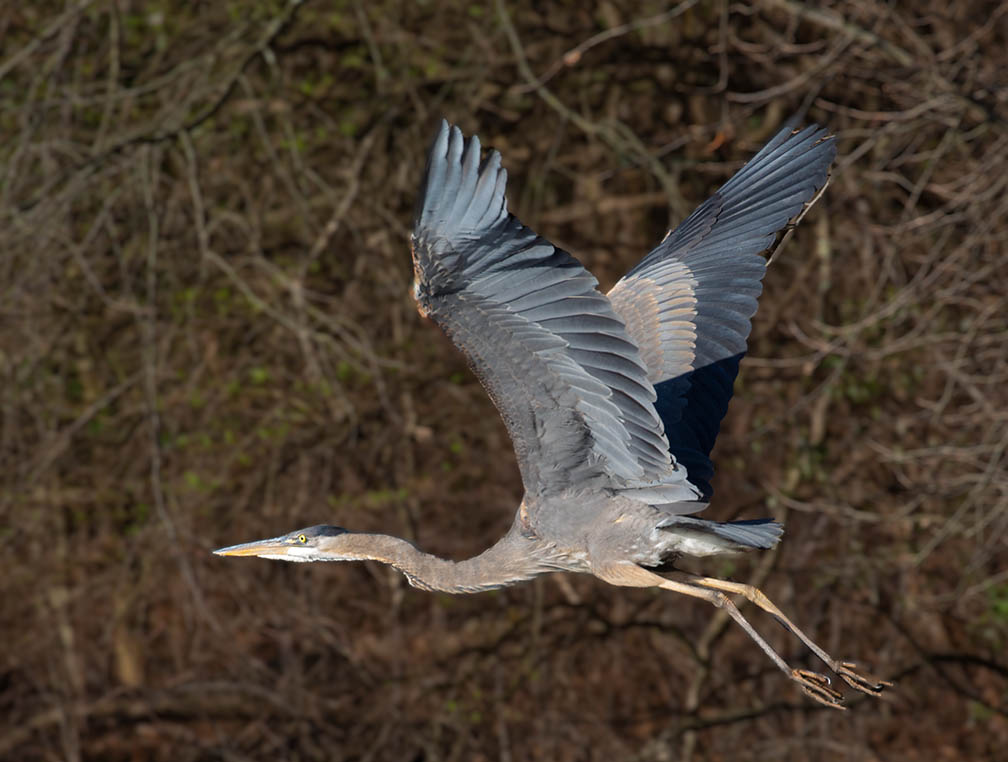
[[548, 347], [688, 303]]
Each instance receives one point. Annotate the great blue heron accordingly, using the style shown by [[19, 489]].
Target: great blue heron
[[612, 402]]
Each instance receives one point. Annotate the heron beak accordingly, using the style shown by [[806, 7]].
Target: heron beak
[[271, 548]]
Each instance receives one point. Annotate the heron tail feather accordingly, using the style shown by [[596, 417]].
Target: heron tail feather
[[700, 537], [754, 533]]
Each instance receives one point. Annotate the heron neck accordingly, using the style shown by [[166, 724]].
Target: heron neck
[[514, 558]]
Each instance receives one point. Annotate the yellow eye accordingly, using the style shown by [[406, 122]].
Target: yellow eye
[[302, 539]]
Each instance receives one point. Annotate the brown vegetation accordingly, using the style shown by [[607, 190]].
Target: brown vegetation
[[207, 336]]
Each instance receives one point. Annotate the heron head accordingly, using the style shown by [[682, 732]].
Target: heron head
[[317, 543]]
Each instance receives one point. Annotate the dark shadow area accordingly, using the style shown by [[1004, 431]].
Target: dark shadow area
[[691, 406]]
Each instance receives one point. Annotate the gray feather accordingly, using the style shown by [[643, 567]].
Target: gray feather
[[551, 351], [711, 263]]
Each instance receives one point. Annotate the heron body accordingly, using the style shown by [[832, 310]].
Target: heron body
[[612, 401]]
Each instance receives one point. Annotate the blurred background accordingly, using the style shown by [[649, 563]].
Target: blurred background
[[207, 337]]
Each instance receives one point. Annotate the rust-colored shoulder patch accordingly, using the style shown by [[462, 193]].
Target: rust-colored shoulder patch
[[524, 520], [417, 280]]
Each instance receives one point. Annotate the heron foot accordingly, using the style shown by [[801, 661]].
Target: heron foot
[[818, 687], [864, 683]]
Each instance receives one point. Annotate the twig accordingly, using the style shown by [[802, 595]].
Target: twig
[[616, 135], [55, 26], [573, 56], [149, 332], [837, 23], [153, 134]]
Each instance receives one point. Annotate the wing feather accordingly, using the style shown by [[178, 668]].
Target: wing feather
[[552, 353], [689, 302]]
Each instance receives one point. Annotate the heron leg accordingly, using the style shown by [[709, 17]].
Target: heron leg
[[626, 574], [845, 669]]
